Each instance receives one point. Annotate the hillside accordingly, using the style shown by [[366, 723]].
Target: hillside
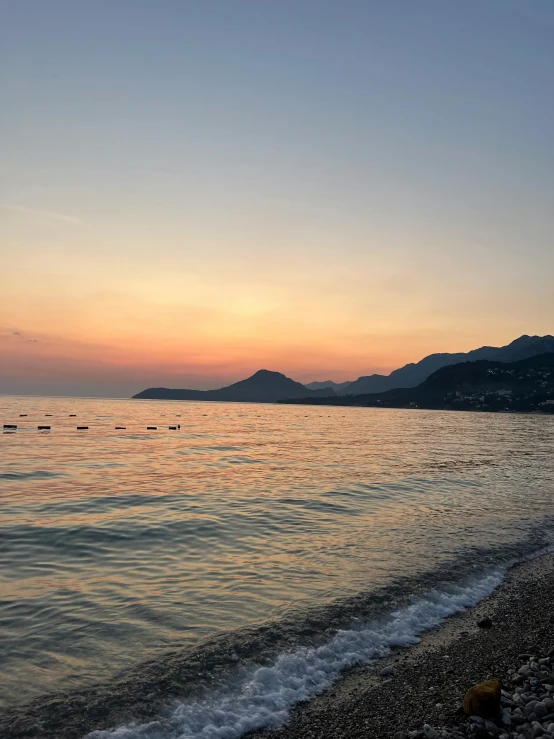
[[262, 387], [414, 373], [525, 385]]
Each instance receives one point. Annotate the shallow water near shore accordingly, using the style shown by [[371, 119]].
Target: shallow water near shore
[[233, 567]]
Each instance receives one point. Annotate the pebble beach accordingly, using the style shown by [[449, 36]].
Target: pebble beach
[[418, 693]]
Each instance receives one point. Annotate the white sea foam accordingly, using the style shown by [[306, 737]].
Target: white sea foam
[[263, 698]]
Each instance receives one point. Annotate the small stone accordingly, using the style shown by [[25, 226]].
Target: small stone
[[400, 735], [476, 719], [386, 671], [506, 718], [541, 710], [479, 732], [491, 728], [484, 623], [429, 732]]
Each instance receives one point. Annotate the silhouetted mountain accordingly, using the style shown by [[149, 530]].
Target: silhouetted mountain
[[336, 386], [414, 373], [263, 387], [485, 385], [266, 387]]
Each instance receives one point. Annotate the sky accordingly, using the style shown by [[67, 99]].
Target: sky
[[192, 191]]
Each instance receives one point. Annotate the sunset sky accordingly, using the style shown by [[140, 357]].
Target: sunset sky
[[190, 191]]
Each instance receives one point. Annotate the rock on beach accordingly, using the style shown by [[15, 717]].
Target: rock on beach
[[483, 699]]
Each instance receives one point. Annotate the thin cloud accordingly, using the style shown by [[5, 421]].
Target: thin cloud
[[24, 338], [51, 214]]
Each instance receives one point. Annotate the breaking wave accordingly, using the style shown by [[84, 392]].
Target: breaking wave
[[263, 697]]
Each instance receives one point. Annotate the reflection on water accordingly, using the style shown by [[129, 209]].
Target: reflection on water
[[117, 546]]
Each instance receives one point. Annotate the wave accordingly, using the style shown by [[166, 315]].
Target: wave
[[262, 697], [239, 681]]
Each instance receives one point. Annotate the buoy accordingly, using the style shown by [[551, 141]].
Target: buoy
[[44, 428], [172, 428], [82, 428], [179, 426], [120, 428], [22, 415], [151, 428], [73, 415], [10, 426], [48, 415]]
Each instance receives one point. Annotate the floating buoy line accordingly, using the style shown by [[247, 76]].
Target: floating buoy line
[[10, 427]]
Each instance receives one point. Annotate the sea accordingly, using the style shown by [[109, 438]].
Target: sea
[[225, 561]]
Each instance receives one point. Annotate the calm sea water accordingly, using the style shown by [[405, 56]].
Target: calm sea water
[[252, 554]]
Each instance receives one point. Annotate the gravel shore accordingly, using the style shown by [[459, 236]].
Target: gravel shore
[[427, 683]]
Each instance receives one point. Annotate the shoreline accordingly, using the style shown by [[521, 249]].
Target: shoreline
[[423, 684], [429, 680]]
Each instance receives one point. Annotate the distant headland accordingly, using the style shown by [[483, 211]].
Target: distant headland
[[263, 387]]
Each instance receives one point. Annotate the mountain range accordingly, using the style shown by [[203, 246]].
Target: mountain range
[[268, 387], [481, 385], [414, 373], [336, 387]]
